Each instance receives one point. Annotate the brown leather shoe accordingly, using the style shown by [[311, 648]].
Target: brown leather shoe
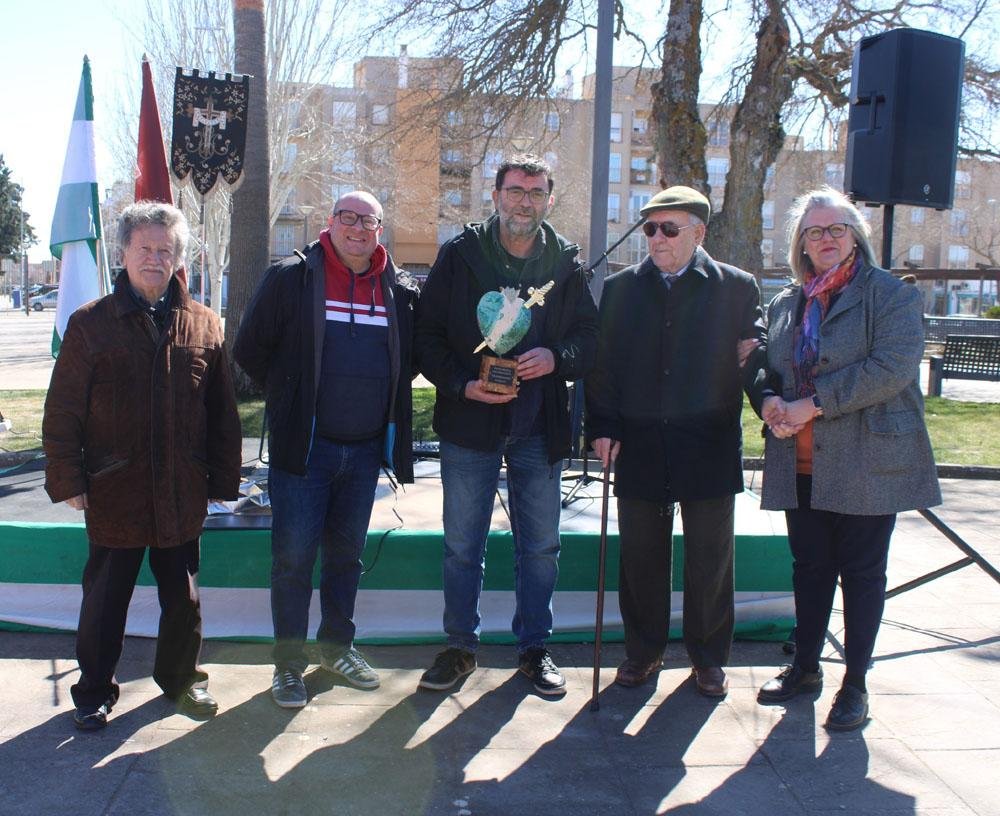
[[711, 681], [634, 673]]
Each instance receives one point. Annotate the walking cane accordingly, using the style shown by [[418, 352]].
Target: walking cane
[[602, 557]]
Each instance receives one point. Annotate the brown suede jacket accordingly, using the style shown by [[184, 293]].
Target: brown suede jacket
[[145, 425]]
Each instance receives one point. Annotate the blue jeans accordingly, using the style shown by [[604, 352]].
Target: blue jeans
[[469, 478], [328, 509]]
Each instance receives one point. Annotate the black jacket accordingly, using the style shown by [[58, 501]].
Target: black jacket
[[280, 345], [447, 332], [667, 383]]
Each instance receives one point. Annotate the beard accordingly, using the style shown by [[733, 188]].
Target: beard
[[526, 226]]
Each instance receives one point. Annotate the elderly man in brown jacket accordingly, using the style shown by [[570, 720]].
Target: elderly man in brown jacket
[[140, 431]]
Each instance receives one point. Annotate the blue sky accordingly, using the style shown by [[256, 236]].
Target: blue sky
[[42, 44]]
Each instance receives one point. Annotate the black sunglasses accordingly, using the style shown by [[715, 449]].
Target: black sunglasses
[[668, 228]]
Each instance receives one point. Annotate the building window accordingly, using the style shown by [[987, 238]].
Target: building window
[[640, 125], [453, 197], [451, 155], [963, 184], [380, 114], [454, 118], [834, 175], [718, 132], [917, 215], [958, 257], [291, 152], [492, 162], [487, 207], [615, 167], [288, 208], [284, 239], [448, 231], [717, 169], [769, 179], [338, 191], [551, 159], [616, 127], [636, 248], [959, 223], [616, 256], [343, 164], [344, 113], [639, 172], [636, 201], [552, 121], [916, 254], [614, 207], [767, 215], [767, 251]]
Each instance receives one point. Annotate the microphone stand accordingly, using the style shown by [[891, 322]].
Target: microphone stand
[[584, 479]]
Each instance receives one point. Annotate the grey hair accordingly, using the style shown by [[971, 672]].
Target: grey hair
[[824, 196], [155, 213]]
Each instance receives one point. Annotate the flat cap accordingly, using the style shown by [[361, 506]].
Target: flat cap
[[679, 198]]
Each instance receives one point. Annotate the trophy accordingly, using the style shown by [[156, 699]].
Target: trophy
[[504, 320]]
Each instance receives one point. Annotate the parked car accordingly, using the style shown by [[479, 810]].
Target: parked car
[[46, 301]]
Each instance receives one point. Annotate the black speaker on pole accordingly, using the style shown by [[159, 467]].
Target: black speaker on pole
[[902, 138]]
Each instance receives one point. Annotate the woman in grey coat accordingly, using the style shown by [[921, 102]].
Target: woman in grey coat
[[846, 446]]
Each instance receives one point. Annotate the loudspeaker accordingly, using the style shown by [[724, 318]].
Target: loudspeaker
[[902, 132]]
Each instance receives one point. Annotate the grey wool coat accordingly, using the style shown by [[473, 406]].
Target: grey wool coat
[[871, 452]]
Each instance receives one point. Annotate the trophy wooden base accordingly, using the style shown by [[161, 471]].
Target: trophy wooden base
[[499, 376]]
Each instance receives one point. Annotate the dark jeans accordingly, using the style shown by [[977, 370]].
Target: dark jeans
[[646, 530], [327, 510], [826, 546], [469, 478], [108, 582]]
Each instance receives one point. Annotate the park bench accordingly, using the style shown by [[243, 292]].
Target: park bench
[[966, 357]]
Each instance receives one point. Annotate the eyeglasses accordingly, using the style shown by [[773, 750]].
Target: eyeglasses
[[515, 195], [349, 218], [816, 233], [668, 228]]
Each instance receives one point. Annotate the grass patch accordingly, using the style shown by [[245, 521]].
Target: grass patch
[[962, 433]]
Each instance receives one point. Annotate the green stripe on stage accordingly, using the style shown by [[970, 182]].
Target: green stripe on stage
[[36, 553]]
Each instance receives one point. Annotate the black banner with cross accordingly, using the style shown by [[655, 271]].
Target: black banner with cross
[[210, 129]]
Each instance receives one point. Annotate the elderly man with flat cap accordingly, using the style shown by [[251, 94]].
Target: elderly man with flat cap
[[663, 403]]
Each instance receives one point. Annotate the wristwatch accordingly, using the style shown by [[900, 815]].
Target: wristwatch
[[817, 406]]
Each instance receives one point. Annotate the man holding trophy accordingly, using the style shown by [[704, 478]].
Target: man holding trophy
[[506, 318]]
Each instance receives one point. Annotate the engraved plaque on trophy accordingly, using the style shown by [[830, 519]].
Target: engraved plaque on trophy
[[504, 320], [498, 375]]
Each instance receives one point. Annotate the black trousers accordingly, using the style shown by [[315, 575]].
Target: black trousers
[[645, 531], [108, 582], [826, 546]]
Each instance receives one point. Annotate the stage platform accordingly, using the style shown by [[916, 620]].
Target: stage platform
[[43, 548]]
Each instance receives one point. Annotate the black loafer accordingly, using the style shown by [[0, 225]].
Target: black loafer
[[91, 718], [197, 702], [850, 710], [792, 680]]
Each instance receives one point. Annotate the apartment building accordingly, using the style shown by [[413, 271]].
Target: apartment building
[[433, 169]]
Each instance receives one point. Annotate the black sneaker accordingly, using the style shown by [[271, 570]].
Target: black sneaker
[[449, 667], [537, 664], [91, 718]]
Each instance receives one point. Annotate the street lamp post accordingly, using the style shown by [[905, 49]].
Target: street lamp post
[[24, 262], [306, 210]]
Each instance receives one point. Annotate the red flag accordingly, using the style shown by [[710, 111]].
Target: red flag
[[152, 181]]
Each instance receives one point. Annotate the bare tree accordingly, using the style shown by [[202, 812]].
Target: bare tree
[[301, 56]]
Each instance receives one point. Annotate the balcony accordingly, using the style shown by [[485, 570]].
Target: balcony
[[641, 138]]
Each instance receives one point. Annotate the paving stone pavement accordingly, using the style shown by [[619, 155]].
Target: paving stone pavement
[[494, 746]]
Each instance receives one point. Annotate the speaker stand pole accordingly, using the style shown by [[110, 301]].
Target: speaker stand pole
[[888, 212]]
